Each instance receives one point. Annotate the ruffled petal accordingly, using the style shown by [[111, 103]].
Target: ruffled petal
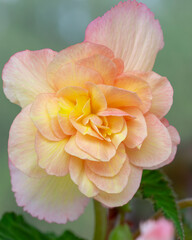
[[155, 149], [131, 31], [25, 77], [137, 128], [162, 93], [99, 149], [51, 198], [63, 65], [135, 84], [103, 65], [114, 184], [111, 168], [21, 145], [40, 116], [72, 148], [117, 97], [52, 155], [115, 200], [78, 175]]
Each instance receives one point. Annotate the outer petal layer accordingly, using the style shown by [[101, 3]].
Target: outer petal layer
[[54, 199], [21, 146], [162, 93], [131, 31], [25, 77], [155, 149], [114, 200]]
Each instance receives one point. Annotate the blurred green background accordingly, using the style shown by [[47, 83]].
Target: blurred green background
[[56, 24]]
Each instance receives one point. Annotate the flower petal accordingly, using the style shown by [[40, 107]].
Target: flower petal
[[99, 149], [103, 65], [98, 101], [117, 97], [52, 155], [21, 145], [40, 116], [175, 138], [115, 200], [78, 175], [54, 199], [111, 168], [156, 148], [119, 137], [131, 31], [138, 85], [72, 148], [161, 103], [137, 128], [67, 58], [24, 76], [114, 184]]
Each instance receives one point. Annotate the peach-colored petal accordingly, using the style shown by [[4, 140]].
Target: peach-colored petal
[[115, 123], [99, 149], [115, 200], [175, 138], [66, 124], [103, 65], [138, 85], [78, 175], [137, 128], [40, 116], [114, 184], [117, 97], [52, 155], [120, 65], [53, 108], [85, 129], [131, 31], [75, 75], [24, 76], [118, 138], [156, 148], [98, 101], [72, 148], [50, 198], [111, 168], [114, 112], [21, 145], [70, 56], [162, 93], [71, 93]]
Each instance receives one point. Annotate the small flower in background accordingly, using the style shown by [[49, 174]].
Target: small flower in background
[[161, 229], [92, 116]]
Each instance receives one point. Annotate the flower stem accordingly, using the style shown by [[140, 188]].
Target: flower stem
[[100, 221]]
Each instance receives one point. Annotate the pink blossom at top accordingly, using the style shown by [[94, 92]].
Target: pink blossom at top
[[92, 116], [161, 229]]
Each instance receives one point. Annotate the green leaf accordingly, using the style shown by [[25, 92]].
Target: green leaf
[[156, 187], [14, 227], [121, 232]]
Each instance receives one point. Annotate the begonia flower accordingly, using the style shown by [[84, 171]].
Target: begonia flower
[[92, 116], [161, 229]]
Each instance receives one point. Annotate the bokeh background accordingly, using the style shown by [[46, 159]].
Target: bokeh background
[[57, 24]]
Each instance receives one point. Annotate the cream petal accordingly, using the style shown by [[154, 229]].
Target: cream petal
[[52, 155], [21, 145], [130, 30], [50, 198], [114, 184], [111, 168], [119, 199], [137, 128], [99, 149], [78, 175], [25, 77], [155, 149]]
